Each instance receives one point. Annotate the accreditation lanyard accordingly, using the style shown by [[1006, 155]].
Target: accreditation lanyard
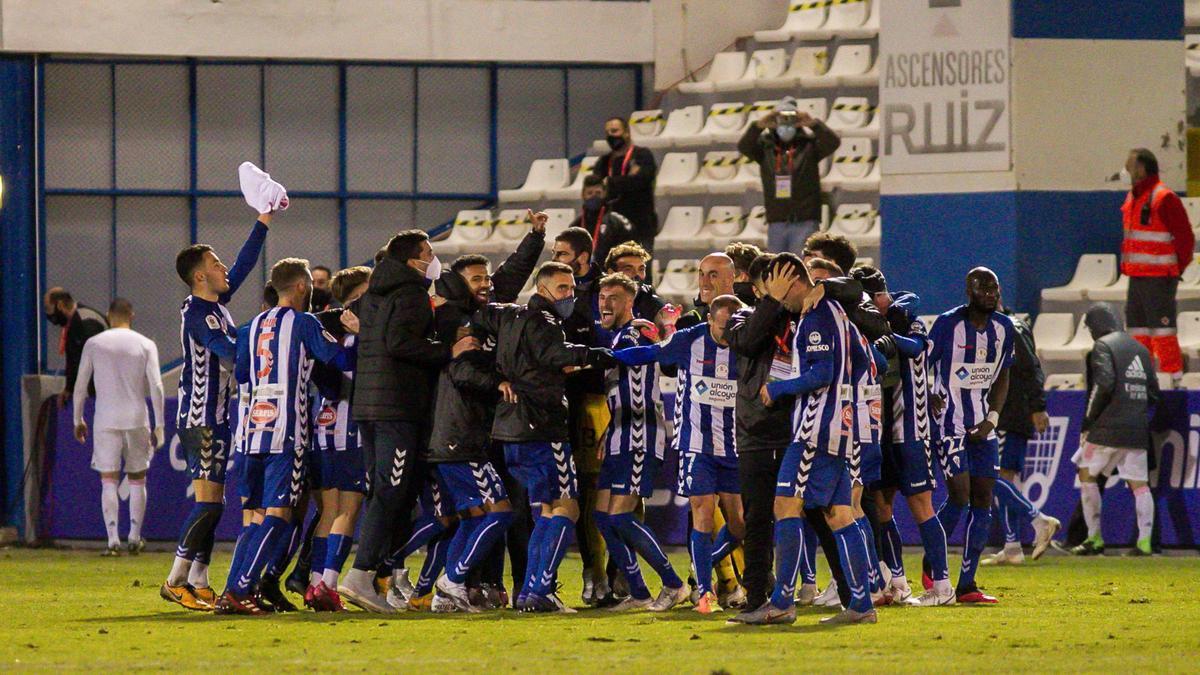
[[783, 181], [596, 229], [624, 162]]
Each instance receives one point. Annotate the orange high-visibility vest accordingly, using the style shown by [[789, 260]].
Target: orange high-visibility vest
[[1148, 249]]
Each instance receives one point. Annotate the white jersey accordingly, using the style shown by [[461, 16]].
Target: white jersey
[[124, 366]]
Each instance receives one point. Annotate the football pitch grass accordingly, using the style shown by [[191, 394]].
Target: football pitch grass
[[75, 610]]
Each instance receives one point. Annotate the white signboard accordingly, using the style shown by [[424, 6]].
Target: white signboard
[[944, 86]]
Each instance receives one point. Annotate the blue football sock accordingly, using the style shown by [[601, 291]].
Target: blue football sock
[[949, 513], [723, 544], [435, 560], [701, 550], [874, 578], [641, 539], [282, 552], [622, 555], [533, 558], [852, 552], [808, 557], [483, 539], [555, 541], [336, 551], [933, 539], [424, 529], [789, 549], [317, 554], [979, 521], [458, 543], [239, 552], [265, 542], [893, 548]]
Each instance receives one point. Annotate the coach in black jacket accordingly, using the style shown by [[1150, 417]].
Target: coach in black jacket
[[399, 356], [761, 339]]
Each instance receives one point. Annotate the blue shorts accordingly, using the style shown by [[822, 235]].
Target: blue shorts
[[630, 473], [976, 458], [433, 500], [466, 485], [819, 478], [869, 467], [206, 450], [547, 470], [339, 470], [708, 474], [1013, 447], [906, 466], [271, 480]]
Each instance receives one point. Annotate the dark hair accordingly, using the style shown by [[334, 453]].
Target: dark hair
[[788, 258], [827, 265], [270, 296], [380, 255], [577, 238], [591, 180], [1147, 159], [551, 268], [187, 260], [758, 268], [729, 302], [617, 279], [406, 245], [622, 120], [287, 272], [57, 295], [627, 250], [468, 260], [322, 268], [121, 307], [321, 299], [835, 247], [347, 280], [743, 255]]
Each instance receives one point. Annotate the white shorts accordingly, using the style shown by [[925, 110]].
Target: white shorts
[[110, 446], [1100, 460]]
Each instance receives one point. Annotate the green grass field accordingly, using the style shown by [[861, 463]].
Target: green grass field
[[75, 610]]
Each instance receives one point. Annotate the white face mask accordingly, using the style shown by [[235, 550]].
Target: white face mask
[[433, 269], [1123, 174]]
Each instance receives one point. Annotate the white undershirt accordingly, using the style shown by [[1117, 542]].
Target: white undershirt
[[124, 366]]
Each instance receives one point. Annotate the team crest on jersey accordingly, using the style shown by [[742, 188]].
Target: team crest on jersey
[[722, 370], [814, 338], [212, 322], [327, 416], [263, 412], [981, 353], [916, 327]]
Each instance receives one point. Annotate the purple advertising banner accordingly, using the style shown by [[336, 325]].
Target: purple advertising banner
[[71, 494]]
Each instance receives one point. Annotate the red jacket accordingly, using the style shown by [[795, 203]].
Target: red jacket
[[1167, 216]]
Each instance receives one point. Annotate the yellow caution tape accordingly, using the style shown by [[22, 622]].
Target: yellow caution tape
[[729, 110], [646, 119], [726, 161], [861, 159], [728, 219], [854, 107]]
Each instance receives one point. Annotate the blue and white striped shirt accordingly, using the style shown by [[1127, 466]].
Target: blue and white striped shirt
[[824, 416], [910, 396], [868, 395], [966, 363], [335, 428], [635, 425]]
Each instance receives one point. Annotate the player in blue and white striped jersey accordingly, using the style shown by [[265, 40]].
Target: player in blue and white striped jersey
[[906, 451], [705, 438], [971, 348], [277, 361], [207, 333], [631, 452], [816, 468], [867, 367]]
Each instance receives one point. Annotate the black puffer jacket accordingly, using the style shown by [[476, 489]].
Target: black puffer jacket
[[755, 336], [1122, 384], [1026, 384], [531, 352], [398, 353], [467, 392]]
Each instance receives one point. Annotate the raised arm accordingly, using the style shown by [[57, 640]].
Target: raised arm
[[247, 258]]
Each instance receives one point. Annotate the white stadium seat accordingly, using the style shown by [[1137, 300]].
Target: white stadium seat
[[676, 169], [1189, 284], [721, 173], [726, 67], [572, 192], [1052, 329], [1190, 381], [1164, 381], [806, 62], [1192, 205], [544, 174], [508, 229], [723, 225], [1192, 57], [1074, 350], [763, 64], [725, 123], [679, 283], [558, 220], [803, 16], [1191, 13], [1065, 381], [849, 19], [755, 231], [681, 229], [471, 229], [1117, 291], [682, 124], [1093, 271], [817, 107], [853, 116], [851, 67], [1189, 337], [854, 165], [869, 29], [856, 222]]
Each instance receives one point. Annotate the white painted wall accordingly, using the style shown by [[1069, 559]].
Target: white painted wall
[[442, 30], [689, 32]]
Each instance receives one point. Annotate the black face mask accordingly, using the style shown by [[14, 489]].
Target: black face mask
[[57, 317], [744, 290], [615, 142]]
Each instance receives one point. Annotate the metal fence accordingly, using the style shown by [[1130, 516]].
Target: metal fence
[[139, 158]]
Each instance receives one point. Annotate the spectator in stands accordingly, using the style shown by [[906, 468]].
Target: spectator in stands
[[628, 172], [607, 227], [788, 146], [1157, 249], [743, 256], [78, 323], [321, 276]]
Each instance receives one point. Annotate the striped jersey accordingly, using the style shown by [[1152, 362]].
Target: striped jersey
[[241, 406], [279, 354], [824, 418], [335, 428], [207, 334], [966, 363], [868, 395], [706, 393], [910, 396], [635, 424]]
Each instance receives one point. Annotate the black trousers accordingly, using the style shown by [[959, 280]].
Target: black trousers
[[757, 472], [390, 452]]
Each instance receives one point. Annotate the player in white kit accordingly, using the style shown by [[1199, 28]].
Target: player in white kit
[[124, 366]]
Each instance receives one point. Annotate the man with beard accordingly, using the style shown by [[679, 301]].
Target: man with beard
[[607, 227], [628, 172], [78, 323]]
